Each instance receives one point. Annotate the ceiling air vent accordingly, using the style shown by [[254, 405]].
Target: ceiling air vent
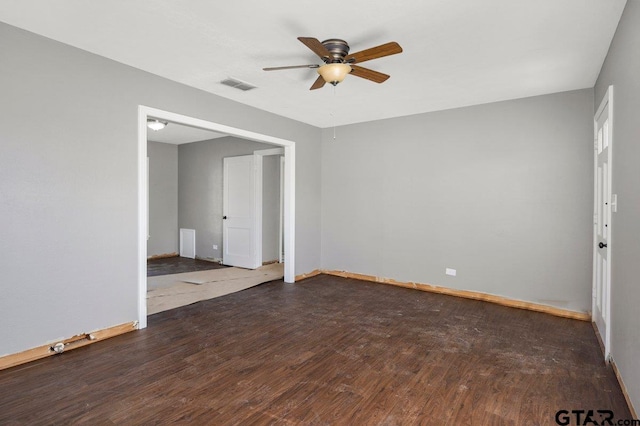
[[237, 84]]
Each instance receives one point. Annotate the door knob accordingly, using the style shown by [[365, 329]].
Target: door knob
[[224, 217], [602, 245]]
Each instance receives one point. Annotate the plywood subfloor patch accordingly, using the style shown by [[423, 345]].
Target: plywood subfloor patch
[[172, 291]]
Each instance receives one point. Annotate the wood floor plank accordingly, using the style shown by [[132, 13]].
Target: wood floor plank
[[327, 350], [177, 265]]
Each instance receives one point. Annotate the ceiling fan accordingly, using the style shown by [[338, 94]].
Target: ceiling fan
[[338, 62]]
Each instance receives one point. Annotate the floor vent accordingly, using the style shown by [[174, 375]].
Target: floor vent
[[238, 84]]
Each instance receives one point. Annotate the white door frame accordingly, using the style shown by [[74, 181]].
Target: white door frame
[[280, 232], [145, 112], [607, 103], [259, 156]]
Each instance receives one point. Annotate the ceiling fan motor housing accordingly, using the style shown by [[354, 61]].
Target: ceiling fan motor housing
[[339, 49]]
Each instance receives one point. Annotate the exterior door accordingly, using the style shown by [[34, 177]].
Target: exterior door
[[602, 221], [240, 213]]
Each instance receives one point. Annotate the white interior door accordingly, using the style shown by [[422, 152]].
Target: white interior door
[[242, 191], [602, 221]]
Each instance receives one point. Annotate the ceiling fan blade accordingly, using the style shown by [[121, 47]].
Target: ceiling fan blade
[[315, 45], [318, 83], [387, 49], [372, 75], [291, 67]]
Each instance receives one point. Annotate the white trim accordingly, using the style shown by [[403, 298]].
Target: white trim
[[257, 199], [606, 103], [143, 218], [148, 221], [259, 160], [273, 151], [289, 193], [281, 210], [289, 209]]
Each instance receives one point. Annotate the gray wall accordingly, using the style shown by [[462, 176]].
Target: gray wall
[[200, 189], [622, 69], [500, 192], [69, 187], [270, 207], [163, 198]]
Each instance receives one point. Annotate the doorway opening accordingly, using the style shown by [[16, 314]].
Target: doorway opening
[[288, 194]]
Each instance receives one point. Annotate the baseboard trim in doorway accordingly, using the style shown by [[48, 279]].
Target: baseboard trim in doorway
[[309, 274], [162, 256], [74, 342], [617, 373], [634, 414], [600, 342], [467, 294]]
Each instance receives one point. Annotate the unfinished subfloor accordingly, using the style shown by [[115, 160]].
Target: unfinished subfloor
[[166, 292], [327, 350]]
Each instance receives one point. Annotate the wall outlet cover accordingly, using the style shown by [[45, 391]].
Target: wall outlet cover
[[215, 247], [450, 271]]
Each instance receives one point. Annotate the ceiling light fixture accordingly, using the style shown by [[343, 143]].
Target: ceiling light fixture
[[334, 73], [155, 124]]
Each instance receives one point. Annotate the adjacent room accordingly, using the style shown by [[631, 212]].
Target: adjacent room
[[189, 195], [444, 195]]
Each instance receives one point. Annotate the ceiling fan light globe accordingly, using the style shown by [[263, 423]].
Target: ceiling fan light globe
[[334, 73]]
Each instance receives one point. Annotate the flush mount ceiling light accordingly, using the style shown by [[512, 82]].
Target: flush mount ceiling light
[[334, 73], [155, 124]]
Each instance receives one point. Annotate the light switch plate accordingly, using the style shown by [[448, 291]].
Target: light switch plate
[[614, 203]]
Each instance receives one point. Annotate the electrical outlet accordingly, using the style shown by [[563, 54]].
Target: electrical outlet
[[215, 247], [450, 271]]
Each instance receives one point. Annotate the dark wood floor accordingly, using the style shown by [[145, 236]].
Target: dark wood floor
[[324, 351], [177, 265]]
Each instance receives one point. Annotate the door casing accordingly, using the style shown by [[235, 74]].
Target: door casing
[[604, 205], [260, 154], [289, 147]]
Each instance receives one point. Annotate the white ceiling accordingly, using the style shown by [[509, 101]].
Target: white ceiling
[[456, 52]]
